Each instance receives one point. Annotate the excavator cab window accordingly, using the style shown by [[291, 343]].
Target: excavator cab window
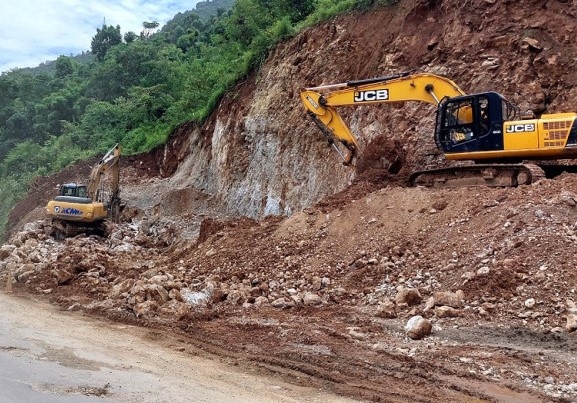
[[510, 111], [458, 123], [73, 190], [68, 190]]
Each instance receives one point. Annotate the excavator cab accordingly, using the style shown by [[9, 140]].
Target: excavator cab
[[472, 123]]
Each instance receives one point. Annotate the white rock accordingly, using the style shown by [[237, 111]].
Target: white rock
[[279, 303], [260, 301], [483, 271], [418, 327], [195, 297], [357, 335], [312, 299]]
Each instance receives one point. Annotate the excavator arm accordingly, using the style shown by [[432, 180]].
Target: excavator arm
[[322, 102], [110, 163], [483, 128]]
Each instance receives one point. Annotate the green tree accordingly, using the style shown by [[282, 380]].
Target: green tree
[[148, 28], [188, 41], [105, 38], [18, 125], [298, 10], [64, 67], [248, 19], [130, 37]]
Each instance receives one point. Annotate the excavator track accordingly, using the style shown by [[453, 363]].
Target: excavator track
[[494, 175], [62, 229]]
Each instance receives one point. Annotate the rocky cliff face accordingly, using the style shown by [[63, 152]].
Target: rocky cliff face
[[258, 154]]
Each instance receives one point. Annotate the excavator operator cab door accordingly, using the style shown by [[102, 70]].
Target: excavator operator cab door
[[470, 123]]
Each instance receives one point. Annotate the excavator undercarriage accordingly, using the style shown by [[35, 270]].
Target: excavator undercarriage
[[494, 175], [387, 155], [62, 228]]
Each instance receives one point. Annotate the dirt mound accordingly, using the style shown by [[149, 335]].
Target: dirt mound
[[383, 154], [326, 289]]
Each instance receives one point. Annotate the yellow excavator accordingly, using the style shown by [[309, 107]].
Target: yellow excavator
[[483, 128], [86, 208]]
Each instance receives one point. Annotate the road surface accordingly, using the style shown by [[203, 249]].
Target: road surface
[[49, 355]]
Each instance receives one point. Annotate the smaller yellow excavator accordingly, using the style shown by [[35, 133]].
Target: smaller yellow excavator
[[80, 208]]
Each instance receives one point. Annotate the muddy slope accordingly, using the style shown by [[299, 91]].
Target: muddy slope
[[260, 155]]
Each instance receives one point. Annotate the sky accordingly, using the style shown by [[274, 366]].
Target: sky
[[36, 31]]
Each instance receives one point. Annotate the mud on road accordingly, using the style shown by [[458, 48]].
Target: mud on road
[[51, 355]]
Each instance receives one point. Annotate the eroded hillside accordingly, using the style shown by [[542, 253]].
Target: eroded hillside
[[259, 155], [322, 297]]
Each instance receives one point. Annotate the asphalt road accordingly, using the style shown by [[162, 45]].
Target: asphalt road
[[48, 355]]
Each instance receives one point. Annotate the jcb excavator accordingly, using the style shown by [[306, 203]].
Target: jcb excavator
[[484, 128], [86, 208]]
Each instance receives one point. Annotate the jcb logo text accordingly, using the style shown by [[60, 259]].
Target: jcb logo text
[[529, 127], [371, 95]]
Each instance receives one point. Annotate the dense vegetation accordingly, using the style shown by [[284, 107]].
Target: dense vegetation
[[138, 87]]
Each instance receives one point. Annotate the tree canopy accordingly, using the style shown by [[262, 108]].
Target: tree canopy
[[105, 38]]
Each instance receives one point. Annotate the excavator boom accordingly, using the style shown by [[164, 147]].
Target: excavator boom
[[110, 162], [322, 102]]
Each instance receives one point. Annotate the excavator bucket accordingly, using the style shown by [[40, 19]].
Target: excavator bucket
[[382, 154]]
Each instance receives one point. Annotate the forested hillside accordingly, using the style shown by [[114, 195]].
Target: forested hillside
[[139, 87]]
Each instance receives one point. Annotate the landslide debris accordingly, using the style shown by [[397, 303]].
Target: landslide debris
[[490, 270]]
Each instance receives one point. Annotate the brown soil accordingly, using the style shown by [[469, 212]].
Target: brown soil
[[368, 242]]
